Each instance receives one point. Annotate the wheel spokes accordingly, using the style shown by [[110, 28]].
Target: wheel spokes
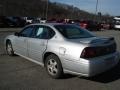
[[52, 66], [9, 48]]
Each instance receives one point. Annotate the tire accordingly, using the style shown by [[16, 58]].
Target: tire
[[53, 66], [9, 48]]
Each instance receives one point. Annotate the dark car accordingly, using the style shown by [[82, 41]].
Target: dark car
[[3, 21], [90, 25], [16, 21], [11, 21]]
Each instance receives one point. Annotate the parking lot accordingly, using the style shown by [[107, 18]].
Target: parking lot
[[17, 73]]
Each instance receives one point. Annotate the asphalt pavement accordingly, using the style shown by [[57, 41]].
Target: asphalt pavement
[[17, 73]]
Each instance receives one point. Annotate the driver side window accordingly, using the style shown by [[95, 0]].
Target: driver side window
[[26, 32]]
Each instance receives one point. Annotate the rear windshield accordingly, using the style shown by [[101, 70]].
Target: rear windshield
[[73, 31]]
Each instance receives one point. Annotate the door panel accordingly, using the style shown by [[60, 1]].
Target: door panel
[[21, 41], [21, 45], [38, 42], [36, 48]]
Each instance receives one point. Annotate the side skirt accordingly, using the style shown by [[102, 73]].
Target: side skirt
[[30, 59]]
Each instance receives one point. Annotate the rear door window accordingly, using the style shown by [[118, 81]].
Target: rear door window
[[43, 32]]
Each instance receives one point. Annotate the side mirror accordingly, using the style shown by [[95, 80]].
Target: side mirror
[[16, 34]]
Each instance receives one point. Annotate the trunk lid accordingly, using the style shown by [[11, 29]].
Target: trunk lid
[[93, 40]]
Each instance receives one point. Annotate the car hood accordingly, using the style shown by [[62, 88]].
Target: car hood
[[93, 40]]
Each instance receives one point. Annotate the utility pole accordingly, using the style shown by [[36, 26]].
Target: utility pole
[[96, 10], [47, 3], [72, 14]]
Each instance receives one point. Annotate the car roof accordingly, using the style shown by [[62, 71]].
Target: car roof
[[51, 24]]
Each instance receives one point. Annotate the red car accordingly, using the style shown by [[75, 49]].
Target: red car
[[90, 25]]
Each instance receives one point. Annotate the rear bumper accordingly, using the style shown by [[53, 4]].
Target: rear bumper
[[106, 63], [94, 66]]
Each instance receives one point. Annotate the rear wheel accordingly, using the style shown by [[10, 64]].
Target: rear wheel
[[9, 48], [53, 66]]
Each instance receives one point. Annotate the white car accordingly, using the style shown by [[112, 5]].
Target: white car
[[117, 23], [64, 48]]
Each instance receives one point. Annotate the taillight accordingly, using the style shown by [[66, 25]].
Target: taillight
[[88, 52]]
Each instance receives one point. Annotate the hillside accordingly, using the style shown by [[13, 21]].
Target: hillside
[[38, 8]]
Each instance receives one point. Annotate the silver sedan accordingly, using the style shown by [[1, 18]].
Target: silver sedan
[[64, 48]]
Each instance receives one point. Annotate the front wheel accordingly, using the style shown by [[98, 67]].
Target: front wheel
[[9, 48], [53, 66]]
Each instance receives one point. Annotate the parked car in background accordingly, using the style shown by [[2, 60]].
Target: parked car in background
[[117, 23], [39, 20], [6, 21], [36, 20], [52, 20], [28, 20], [90, 25], [83, 24], [19, 22], [105, 26], [64, 48], [43, 20], [3, 22], [61, 21], [112, 25]]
